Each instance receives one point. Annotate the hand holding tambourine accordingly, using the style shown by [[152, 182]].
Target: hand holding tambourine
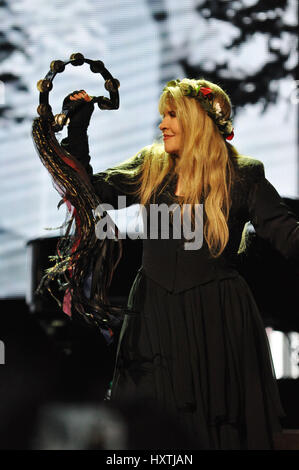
[[78, 106], [85, 102]]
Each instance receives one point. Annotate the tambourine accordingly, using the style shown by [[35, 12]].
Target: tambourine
[[45, 85]]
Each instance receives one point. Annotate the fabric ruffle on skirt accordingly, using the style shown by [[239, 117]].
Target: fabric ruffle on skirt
[[203, 355]]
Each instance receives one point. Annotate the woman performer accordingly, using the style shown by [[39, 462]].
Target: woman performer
[[196, 343]]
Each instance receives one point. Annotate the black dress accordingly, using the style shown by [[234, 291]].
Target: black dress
[[198, 345]]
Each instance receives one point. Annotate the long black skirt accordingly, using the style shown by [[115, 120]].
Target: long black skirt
[[203, 356]]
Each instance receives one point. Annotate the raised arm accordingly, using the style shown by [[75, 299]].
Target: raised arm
[[120, 180], [271, 217], [80, 253]]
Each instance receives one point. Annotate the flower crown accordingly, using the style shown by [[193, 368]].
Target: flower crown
[[205, 96]]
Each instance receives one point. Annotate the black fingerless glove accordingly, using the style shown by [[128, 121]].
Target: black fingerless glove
[[79, 111], [76, 143]]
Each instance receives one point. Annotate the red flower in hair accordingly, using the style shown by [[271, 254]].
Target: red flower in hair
[[230, 136], [208, 92]]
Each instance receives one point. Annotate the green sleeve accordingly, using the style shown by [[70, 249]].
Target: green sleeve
[[121, 180]]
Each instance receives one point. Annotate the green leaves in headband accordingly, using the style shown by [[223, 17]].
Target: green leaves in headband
[[205, 96]]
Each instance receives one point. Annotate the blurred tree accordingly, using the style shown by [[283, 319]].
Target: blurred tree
[[266, 17], [277, 21]]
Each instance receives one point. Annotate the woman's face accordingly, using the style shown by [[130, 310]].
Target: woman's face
[[172, 132]]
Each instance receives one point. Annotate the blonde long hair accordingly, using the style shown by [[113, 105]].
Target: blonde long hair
[[205, 162]]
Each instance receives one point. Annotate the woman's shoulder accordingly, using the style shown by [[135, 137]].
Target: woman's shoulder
[[139, 158], [249, 167]]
